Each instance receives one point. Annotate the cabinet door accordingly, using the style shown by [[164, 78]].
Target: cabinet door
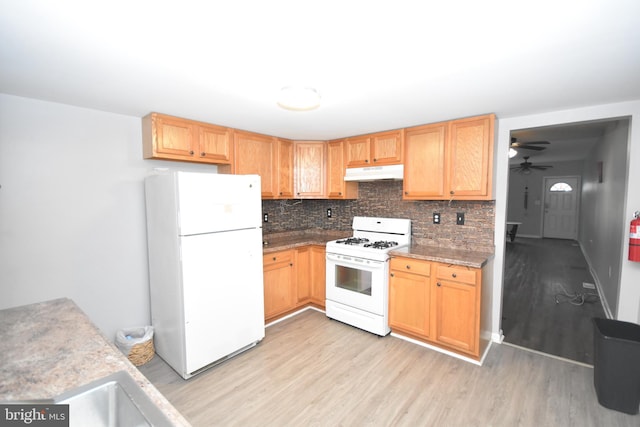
[[303, 274], [357, 152], [410, 296], [386, 148], [471, 158], [337, 188], [279, 282], [255, 154], [174, 136], [318, 275], [456, 315], [424, 168], [285, 169], [309, 169], [214, 144]]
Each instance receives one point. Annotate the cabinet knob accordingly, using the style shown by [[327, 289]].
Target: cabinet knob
[[290, 264], [375, 160], [203, 154], [408, 267], [451, 192], [406, 192], [393, 275], [191, 152], [454, 275], [438, 284], [281, 193], [366, 161], [340, 193], [274, 258]]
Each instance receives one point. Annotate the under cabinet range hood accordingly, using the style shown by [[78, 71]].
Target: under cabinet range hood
[[375, 173]]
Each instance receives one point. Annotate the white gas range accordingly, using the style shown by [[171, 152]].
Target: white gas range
[[358, 272]]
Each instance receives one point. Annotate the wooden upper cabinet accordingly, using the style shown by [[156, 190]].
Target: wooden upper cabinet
[[256, 154], [285, 168], [424, 168], [214, 143], [358, 151], [337, 188], [384, 148], [310, 167], [449, 160], [173, 138], [471, 158]]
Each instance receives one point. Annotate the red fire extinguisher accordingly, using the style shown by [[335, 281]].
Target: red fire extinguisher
[[634, 238]]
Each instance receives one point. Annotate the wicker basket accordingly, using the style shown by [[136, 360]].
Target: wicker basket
[[136, 344], [141, 353]]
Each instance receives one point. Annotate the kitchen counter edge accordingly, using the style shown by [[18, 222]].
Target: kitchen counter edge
[[52, 347], [462, 257]]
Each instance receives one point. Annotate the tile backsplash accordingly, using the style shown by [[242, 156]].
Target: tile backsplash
[[384, 199]]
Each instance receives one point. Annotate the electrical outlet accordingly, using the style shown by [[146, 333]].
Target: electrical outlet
[[436, 218], [266, 217], [329, 213], [460, 218]]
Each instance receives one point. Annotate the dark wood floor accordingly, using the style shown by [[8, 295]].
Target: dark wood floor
[[536, 270]]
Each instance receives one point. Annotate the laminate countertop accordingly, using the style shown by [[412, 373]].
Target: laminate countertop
[[463, 257], [50, 347], [290, 240]]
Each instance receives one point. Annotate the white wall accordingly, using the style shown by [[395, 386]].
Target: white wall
[[629, 296], [602, 212], [72, 215]]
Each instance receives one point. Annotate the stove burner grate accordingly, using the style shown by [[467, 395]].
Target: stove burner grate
[[381, 244], [353, 241]]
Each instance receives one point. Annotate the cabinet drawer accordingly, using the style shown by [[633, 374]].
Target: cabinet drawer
[[411, 265], [456, 274], [276, 258]]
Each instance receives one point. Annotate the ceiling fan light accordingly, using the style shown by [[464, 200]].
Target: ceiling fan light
[[298, 98]]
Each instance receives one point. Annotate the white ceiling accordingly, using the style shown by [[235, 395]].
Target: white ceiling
[[377, 64]]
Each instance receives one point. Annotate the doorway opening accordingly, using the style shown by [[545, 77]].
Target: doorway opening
[[550, 292]]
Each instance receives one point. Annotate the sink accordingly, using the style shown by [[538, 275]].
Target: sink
[[115, 400]]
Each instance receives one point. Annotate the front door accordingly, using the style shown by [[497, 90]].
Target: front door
[[561, 198]]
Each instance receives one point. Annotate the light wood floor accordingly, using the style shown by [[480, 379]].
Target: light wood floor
[[536, 270], [312, 371]]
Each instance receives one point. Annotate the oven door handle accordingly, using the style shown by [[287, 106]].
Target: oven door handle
[[339, 260]]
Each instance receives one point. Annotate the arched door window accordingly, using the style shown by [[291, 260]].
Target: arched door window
[[561, 187]]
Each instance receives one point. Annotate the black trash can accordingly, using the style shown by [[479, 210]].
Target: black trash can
[[616, 364]]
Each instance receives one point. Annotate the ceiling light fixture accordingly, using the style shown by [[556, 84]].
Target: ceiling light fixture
[[512, 153], [298, 98]]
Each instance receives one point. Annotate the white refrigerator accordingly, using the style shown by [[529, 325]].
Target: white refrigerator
[[205, 267]]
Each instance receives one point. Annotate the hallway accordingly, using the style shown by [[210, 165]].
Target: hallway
[[538, 272]]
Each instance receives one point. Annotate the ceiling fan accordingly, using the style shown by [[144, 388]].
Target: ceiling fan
[[528, 145], [526, 166]]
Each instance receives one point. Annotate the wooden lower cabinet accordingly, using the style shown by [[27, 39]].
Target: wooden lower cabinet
[[318, 275], [293, 279], [436, 303], [310, 271], [410, 296], [279, 283]]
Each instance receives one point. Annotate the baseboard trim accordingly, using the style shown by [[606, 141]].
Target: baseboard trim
[[603, 300], [443, 351], [290, 315], [552, 356]]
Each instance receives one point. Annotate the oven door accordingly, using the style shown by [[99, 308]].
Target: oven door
[[358, 282]]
